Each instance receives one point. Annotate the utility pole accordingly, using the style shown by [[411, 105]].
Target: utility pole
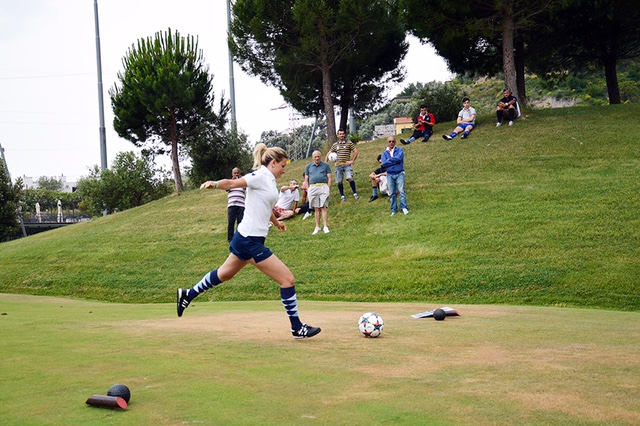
[[232, 88], [103, 133]]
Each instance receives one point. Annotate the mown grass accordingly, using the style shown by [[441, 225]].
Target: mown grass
[[235, 363], [542, 213]]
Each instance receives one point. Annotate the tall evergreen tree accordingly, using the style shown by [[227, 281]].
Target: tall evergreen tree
[[165, 95]]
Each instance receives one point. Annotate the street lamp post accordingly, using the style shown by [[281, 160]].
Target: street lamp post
[[103, 133], [232, 88]]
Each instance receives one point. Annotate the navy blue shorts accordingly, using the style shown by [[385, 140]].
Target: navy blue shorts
[[249, 248]]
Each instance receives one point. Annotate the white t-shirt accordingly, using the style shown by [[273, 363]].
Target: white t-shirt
[[262, 195], [287, 197], [467, 113]]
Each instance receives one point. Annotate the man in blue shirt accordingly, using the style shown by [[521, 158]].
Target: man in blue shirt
[[393, 161], [317, 177]]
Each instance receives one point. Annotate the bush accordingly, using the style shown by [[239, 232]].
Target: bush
[[132, 181], [444, 100]]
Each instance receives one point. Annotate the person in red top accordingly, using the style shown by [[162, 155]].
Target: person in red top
[[423, 125]]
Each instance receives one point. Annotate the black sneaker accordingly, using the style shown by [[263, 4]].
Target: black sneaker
[[183, 302], [373, 198], [447, 137], [464, 136], [305, 331], [403, 142], [426, 139]]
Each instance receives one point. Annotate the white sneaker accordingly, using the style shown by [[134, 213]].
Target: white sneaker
[[498, 124], [306, 215], [405, 211], [393, 213], [326, 230], [356, 196], [315, 231], [511, 123], [343, 198]]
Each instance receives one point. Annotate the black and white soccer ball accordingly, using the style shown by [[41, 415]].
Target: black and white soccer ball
[[371, 324]]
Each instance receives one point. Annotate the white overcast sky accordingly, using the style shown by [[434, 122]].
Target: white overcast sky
[[49, 114]]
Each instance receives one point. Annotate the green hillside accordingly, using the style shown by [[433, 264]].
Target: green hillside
[[542, 213]]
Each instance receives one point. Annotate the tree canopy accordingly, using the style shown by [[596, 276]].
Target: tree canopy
[[165, 95], [51, 184], [10, 195], [317, 52], [484, 37], [130, 182], [215, 153], [590, 32]]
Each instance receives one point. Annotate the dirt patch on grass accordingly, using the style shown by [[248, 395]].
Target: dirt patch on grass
[[551, 360]]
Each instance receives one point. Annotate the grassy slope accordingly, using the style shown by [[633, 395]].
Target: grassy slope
[[542, 213]]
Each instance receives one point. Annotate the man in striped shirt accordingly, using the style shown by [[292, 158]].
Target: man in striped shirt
[[343, 148], [235, 205]]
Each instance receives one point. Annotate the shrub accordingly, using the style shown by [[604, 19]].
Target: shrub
[[442, 99]]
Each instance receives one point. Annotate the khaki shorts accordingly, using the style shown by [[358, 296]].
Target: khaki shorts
[[318, 196]]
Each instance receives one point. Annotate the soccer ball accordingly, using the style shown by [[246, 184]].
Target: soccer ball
[[333, 156], [371, 324]]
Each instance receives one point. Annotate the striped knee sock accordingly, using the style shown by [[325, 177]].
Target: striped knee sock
[[208, 282], [290, 302]]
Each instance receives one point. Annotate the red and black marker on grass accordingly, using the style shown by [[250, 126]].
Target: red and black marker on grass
[[117, 397], [107, 401]]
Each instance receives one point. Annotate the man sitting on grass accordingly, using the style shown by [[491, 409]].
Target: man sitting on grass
[[466, 121], [423, 125], [378, 181], [287, 201], [507, 106]]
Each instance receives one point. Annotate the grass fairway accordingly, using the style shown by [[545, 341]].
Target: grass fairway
[[235, 363]]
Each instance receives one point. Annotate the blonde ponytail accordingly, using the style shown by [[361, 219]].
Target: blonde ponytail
[[263, 155]]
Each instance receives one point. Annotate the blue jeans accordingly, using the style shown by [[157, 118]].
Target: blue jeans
[[396, 183]]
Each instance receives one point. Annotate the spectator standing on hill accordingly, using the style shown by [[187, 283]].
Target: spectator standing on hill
[[235, 205], [507, 106], [344, 148], [466, 121], [247, 246], [423, 125], [287, 201], [317, 176], [378, 180], [393, 161]]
